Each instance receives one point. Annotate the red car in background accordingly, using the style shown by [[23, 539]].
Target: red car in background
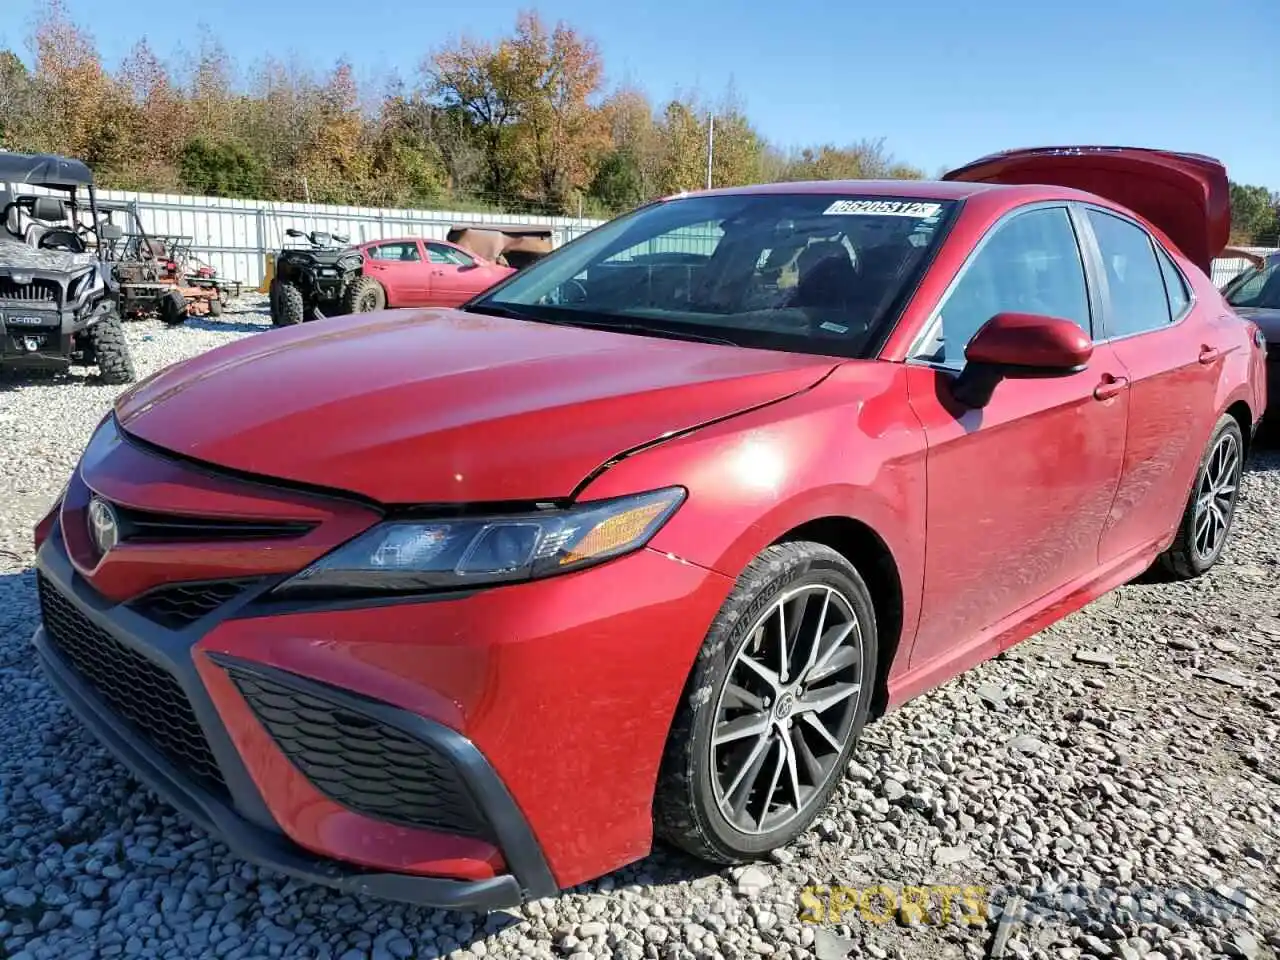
[[413, 272], [636, 543]]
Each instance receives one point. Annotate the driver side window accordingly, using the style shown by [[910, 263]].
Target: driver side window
[[1030, 264]]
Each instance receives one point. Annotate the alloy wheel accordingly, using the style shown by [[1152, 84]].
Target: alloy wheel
[[787, 708], [1215, 498]]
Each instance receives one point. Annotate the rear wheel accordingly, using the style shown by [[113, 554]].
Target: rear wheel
[[290, 308], [364, 295], [173, 308], [111, 351], [773, 708], [1206, 521]]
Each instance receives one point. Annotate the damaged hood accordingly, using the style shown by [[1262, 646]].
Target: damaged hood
[[15, 255], [441, 406]]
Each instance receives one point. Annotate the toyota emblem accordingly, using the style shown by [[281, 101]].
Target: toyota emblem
[[103, 525]]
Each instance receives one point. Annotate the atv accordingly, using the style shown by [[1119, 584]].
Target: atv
[[319, 277], [59, 304]]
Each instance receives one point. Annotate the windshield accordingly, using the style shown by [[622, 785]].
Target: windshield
[[812, 273], [1256, 287]]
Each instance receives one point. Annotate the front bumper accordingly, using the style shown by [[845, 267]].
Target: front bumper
[[41, 336], [552, 701], [241, 817], [35, 338]]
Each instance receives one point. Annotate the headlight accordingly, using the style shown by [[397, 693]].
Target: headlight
[[411, 556]]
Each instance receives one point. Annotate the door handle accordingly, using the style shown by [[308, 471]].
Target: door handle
[[1109, 387], [1209, 354]]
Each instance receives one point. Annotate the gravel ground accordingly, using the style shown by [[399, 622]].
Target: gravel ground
[[1127, 755]]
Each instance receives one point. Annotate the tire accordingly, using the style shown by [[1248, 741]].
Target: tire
[[111, 351], [364, 295], [215, 307], [273, 302], [1218, 477], [290, 309], [173, 309], [687, 811]]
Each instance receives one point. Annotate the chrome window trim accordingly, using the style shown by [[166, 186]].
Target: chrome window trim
[[928, 329], [1085, 207]]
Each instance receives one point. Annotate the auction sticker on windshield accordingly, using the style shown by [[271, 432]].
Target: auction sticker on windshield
[[884, 208]]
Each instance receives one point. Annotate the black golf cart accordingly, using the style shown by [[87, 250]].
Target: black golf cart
[[59, 303], [317, 275]]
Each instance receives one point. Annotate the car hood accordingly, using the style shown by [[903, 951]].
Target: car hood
[[1185, 195], [441, 406], [16, 256], [1267, 319]]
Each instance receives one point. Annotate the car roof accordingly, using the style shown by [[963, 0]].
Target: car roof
[[43, 170], [923, 189]]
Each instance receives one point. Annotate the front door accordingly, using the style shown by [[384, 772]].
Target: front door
[[449, 269], [399, 267], [1173, 359], [1019, 490]]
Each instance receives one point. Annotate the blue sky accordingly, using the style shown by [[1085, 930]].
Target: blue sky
[[943, 81]]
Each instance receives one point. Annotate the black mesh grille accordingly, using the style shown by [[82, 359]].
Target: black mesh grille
[[363, 764], [167, 527], [179, 604], [140, 691]]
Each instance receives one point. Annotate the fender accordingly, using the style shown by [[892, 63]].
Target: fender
[[850, 447]]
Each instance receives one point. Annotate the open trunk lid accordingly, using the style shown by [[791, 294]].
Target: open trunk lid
[[1184, 194]]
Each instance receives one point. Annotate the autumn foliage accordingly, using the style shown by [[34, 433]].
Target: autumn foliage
[[525, 122]]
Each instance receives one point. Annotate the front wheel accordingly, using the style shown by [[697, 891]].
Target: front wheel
[[773, 707], [290, 307], [110, 350], [364, 295], [1206, 521]]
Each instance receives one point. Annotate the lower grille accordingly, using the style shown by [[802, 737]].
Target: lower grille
[[141, 692], [180, 604], [365, 765]]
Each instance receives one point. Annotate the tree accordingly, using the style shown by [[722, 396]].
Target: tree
[[520, 121], [559, 130], [224, 168], [1255, 214], [618, 184], [480, 84]]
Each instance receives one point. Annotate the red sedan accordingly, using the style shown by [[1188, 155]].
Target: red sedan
[[412, 272], [465, 607]]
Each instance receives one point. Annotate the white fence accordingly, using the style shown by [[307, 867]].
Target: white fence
[[234, 236], [1227, 267]]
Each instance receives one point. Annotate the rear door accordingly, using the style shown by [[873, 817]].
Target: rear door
[[1173, 356], [1186, 195], [399, 266]]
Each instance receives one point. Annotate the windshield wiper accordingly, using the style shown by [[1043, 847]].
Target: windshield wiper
[[490, 310], [581, 321]]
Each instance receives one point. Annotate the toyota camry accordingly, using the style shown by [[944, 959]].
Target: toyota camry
[[462, 607]]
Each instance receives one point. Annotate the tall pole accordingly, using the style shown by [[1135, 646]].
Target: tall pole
[[711, 144]]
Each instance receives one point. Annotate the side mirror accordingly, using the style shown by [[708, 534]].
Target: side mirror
[[294, 232], [1019, 345], [48, 209], [110, 231]]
